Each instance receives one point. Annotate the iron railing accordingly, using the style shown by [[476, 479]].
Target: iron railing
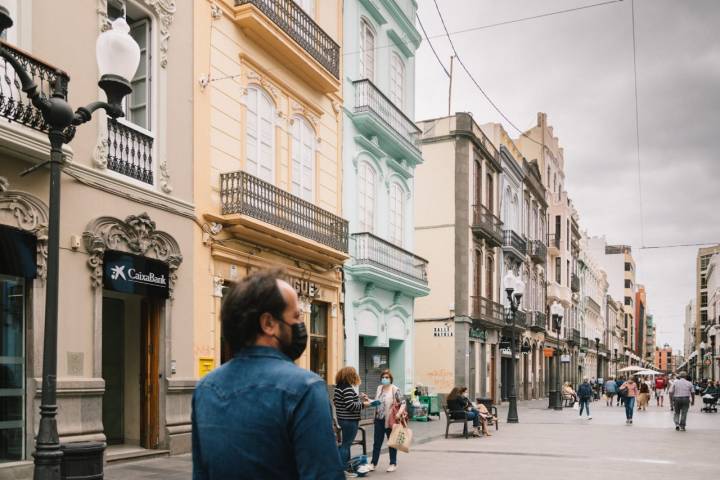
[[554, 240], [584, 342], [15, 105], [488, 311], [369, 98], [372, 250], [574, 283], [293, 20], [520, 318], [538, 321], [130, 151], [513, 240], [572, 335], [486, 222], [242, 193], [538, 251]]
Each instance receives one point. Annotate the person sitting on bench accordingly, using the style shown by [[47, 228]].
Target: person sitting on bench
[[460, 407], [569, 394]]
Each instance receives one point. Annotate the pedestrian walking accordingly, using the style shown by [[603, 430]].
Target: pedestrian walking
[[260, 415], [618, 384], [660, 386], [585, 395], [671, 381], [389, 410], [643, 396], [683, 396], [610, 390], [460, 406], [629, 391], [348, 404]]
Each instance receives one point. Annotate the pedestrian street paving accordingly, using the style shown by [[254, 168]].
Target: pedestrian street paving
[[545, 444]]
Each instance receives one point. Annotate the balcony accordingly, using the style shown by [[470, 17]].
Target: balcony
[[554, 243], [386, 265], [538, 321], [284, 29], [375, 115], [521, 319], [584, 343], [558, 292], [130, 151], [15, 106], [488, 313], [514, 244], [574, 283], [537, 251], [486, 225], [286, 222], [572, 336]]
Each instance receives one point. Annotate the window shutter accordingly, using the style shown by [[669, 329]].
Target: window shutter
[[251, 132], [138, 102], [267, 139]]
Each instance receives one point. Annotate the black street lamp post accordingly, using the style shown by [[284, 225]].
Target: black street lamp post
[[597, 347], [514, 288], [556, 313], [118, 57]]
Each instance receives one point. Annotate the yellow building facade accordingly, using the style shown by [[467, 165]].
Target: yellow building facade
[[268, 169]]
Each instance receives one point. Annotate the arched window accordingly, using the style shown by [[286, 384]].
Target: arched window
[[397, 215], [366, 197], [489, 274], [303, 159], [507, 207], [516, 213], [367, 50], [260, 134], [397, 80]]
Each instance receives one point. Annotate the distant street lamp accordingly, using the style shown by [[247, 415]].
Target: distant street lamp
[[514, 288], [702, 361], [118, 57], [556, 313], [597, 346]]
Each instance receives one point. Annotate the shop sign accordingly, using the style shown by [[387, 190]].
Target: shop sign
[[506, 352], [548, 352], [477, 333], [18, 253], [304, 288], [128, 273], [565, 358]]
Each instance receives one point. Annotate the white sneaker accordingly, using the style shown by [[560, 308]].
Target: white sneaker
[[350, 475], [371, 467], [589, 418], [391, 468], [365, 468]]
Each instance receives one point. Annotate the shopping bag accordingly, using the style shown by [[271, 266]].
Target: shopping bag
[[400, 438]]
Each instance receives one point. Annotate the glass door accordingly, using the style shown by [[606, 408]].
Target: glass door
[[12, 368]]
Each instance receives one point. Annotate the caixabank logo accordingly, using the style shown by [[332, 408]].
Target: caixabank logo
[[128, 273]]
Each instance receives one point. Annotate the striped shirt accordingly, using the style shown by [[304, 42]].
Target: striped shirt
[[347, 402]]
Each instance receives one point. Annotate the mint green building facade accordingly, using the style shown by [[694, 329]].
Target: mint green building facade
[[380, 154]]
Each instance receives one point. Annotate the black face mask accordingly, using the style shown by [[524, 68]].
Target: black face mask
[[298, 341]]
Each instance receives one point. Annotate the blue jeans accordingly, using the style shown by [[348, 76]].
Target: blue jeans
[[474, 416], [629, 406], [379, 433], [349, 431], [585, 403]]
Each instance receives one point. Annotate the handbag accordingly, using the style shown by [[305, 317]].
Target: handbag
[[400, 437], [623, 391]]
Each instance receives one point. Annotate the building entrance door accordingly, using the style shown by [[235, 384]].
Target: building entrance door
[[372, 362], [149, 407], [113, 369]]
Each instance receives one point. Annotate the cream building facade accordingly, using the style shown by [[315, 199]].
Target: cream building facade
[[126, 205], [268, 170]]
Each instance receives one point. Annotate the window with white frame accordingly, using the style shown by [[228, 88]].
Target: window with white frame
[[260, 134], [397, 80], [397, 214], [366, 197], [303, 159], [137, 105], [367, 50]]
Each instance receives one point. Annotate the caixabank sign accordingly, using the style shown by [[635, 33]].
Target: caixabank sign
[[128, 273]]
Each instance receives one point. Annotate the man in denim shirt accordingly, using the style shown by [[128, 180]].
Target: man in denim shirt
[[260, 416]]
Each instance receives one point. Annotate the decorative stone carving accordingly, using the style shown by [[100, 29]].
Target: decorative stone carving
[[165, 178], [100, 154], [137, 235], [28, 213], [215, 11]]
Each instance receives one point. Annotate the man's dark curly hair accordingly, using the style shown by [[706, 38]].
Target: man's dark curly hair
[[256, 294]]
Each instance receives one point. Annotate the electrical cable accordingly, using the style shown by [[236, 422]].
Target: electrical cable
[[637, 125], [422, 27]]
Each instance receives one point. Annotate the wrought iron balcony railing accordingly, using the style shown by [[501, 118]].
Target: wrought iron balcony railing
[[14, 103], [521, 318], [584, 342], [488, 311], [572, 335], [242, 193], [538, 251], [574, 283], [513, 241], [486, 223], [538, 321], [293, 20], [369, 98], [376, 251], [130, 151], [553, 240]]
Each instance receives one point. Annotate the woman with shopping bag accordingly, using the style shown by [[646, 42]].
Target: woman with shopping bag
[[389, 409]]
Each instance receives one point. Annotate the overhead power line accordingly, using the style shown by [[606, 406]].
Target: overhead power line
[[637, 125], [422, 27], [472, 78]]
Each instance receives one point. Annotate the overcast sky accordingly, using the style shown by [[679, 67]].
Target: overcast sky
[[578, 68]]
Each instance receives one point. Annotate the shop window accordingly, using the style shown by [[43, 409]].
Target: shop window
[[319, 339], [12, 368]]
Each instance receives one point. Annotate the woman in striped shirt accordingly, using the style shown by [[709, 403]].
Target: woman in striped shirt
[[347, 407]]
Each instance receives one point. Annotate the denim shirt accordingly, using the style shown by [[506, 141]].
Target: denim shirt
[[260, 416]]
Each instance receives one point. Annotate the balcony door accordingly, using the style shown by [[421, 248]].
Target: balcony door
[[489, 274], [260, 135]]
